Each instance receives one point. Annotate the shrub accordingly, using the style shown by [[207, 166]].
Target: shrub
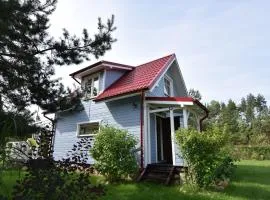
[[206, 155], [65, 179], [112, 151]]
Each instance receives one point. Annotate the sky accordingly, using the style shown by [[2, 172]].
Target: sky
[[222, 47]]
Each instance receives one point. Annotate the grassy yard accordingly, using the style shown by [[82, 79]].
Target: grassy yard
[[252, 181]]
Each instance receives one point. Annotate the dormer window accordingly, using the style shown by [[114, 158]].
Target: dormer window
[[168, 86], [91, 87]]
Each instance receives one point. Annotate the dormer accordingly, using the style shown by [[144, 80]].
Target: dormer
[[97, 77]]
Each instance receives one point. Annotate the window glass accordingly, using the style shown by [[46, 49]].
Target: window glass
[[95, 86], [91, 87], [88, 129], [167, 87]]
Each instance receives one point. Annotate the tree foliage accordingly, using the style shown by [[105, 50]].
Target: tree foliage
[[246, 121], [28, 53]]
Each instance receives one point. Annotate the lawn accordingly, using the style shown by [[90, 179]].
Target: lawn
[[251, 181]]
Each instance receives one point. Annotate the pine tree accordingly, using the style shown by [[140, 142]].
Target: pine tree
[[28, 53]]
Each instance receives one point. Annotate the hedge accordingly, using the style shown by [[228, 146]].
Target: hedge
[[252, 152]]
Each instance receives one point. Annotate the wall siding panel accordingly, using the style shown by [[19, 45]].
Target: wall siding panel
[[123, 114], [112, 76]]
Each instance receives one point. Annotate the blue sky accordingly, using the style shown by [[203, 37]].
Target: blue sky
[[222, 46]]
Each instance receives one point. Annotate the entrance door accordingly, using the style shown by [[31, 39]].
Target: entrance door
[[164, 141]]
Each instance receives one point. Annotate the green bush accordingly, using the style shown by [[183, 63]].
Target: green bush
[[206, 155], [112, 151], [252, 152]]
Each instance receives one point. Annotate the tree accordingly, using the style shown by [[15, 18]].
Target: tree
[[28, 53], [195, 112], [195, 94]]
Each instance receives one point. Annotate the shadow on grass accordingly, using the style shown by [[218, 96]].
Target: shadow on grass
[[253, 174], [145, 191], [250, 182]]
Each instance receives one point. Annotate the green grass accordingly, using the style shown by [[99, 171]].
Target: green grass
[[251, 181], [8, 179]]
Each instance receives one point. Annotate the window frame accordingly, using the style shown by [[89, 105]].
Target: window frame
[[92, 77], [87, 122], [170, 80]]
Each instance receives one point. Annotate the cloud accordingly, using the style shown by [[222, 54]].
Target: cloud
[[222, 47]]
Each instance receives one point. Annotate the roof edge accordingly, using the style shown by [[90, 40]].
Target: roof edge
[[102, 62]]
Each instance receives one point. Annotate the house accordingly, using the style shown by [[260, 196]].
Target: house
[[146, 100]]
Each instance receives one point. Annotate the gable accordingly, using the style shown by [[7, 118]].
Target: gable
[[141, 78], [179, 87]]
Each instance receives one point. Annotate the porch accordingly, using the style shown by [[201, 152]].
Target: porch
[[160, 115]]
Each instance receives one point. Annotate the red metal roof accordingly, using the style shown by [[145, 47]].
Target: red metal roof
[[140, 78]]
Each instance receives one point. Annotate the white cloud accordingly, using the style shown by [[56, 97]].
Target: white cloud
[[222, 47]]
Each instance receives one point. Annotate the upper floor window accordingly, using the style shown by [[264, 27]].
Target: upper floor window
[[168, 86], [91, 87]]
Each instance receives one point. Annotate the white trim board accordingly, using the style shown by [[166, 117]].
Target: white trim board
[[182, 103], [118, 97], [181, 75], [161, 76]]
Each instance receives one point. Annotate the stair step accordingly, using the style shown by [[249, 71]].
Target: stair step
[[155, 177], [165, 171], [162, 173]]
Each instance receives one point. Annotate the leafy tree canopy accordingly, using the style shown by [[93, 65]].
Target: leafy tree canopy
[[28, 53]]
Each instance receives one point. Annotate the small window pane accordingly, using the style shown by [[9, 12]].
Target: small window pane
[[95, 88], [91, 88], [88, 128], [88, 87], [167, 87]]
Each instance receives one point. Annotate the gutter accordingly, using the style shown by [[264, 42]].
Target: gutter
[[205, 110]]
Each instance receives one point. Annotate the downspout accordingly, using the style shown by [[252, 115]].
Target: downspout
[[142, 126], [44, 115], [75, 80], [52, 131], [205, 110], [203, 118]]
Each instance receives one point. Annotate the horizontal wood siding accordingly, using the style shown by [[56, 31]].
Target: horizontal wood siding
[[123, 114], [112, 76]]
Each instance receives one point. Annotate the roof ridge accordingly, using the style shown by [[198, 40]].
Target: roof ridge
[[173, 54]]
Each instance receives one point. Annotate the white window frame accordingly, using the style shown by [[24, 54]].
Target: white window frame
[[170, 80], [87, 122], [92, 77]]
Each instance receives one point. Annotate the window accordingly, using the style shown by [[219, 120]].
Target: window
[[168, 86], [87, 128], [91, 87]]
